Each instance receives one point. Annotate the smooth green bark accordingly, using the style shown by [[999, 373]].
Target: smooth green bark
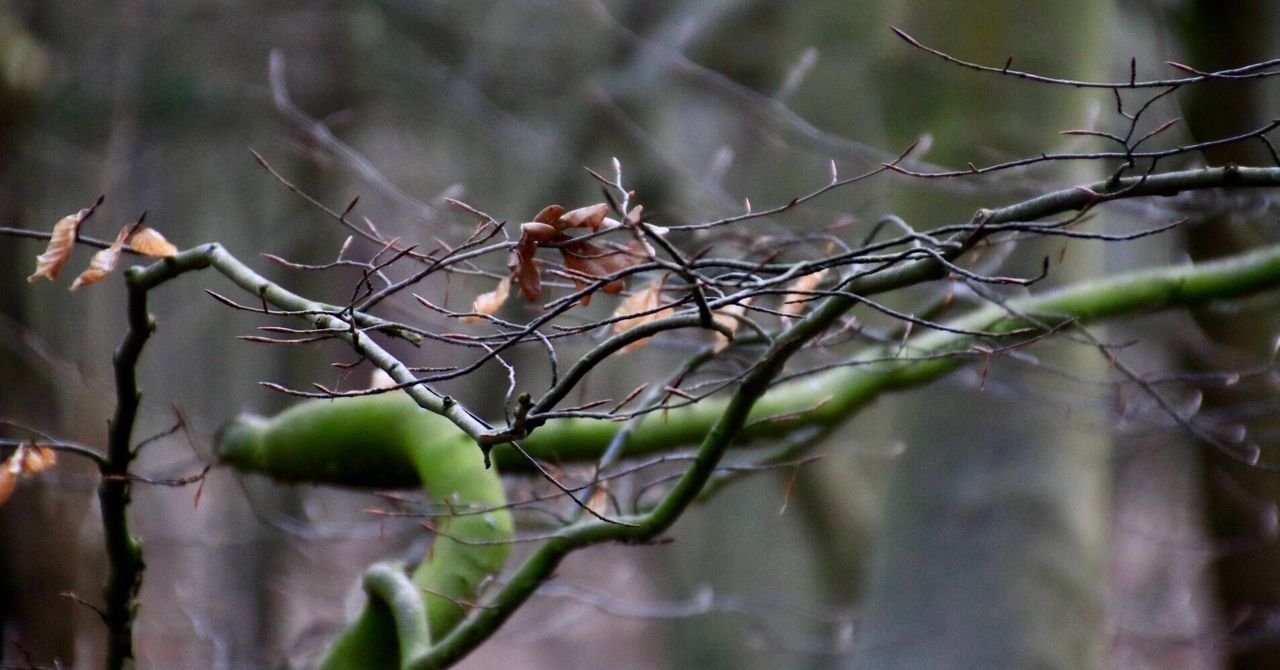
[[381, 441]]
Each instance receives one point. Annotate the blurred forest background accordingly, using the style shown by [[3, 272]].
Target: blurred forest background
[[1037, 517]]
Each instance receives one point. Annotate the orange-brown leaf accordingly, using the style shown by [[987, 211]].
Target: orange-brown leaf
[[149, 242], [525, 269], [597, 262], [103, 263], [549, 214], [37, 459], [538, 232], [584, 217], [60, 245], [796, 300], [488, 303], [26, 461], [9, 476], [521, 263], [603, 261], [726, 316], [641, 250], [599, 500], [637, 303], [640, 302]]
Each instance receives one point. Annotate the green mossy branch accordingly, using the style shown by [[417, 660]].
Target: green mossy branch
[[391, 629], [370, 441]]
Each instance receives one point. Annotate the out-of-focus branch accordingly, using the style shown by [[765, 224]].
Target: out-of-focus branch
[[85, 451], [1263, 70]]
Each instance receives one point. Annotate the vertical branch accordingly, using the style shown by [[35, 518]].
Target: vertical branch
[[124, 554]]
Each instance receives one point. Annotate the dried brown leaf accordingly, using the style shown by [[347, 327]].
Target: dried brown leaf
[[637, 303], [795, 302], [37, 459], [24, 462], [549, 214], [726, 316], [525, 268], [641, 250], [640, 302], [149, 242], [597, 262], [488, 303], [584, 217], [599, 500], [9, 471], [582, 257], [538, 232], [62, 241], [103, 263]]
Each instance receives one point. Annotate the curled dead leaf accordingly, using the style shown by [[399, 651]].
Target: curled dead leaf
[[599, 500], [488, 303], [727, 316], [61, 242], [645, 303], [37, 459], [796, 300], [525, 269], [24, 462], [549, 215], [521, 263], [104, 262], [597, 262], [9, 477], [584, 217], [538, 232], [149, 242], [585, 258]]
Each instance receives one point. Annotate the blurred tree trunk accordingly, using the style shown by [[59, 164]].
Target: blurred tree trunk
[[990, 550], [1238, 497], [810, 56], [31, 613]]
